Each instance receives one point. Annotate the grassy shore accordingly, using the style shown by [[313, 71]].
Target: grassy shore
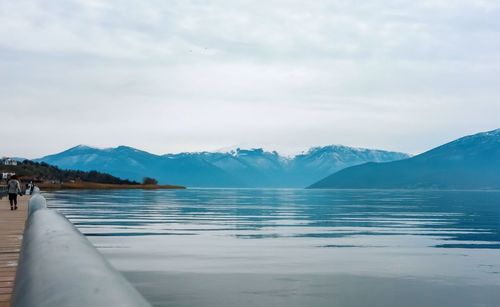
[[103, 186]]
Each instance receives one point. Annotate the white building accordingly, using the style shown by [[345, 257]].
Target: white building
[[8, 161], [6, 176]]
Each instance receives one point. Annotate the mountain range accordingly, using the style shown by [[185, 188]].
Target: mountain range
[[235, 168], [471, 162]]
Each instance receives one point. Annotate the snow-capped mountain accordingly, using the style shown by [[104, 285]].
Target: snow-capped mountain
[[323, 161], [470, 162], [235, 168], [130, 163]]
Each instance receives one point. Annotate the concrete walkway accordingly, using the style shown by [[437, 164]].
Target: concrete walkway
[[11, 235]]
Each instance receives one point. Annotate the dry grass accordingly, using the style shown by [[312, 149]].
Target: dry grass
[[103, 186]]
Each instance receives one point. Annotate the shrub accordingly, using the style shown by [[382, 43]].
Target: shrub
[[149, 180]]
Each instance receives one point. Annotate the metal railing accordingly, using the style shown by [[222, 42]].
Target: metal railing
[[58, 266]]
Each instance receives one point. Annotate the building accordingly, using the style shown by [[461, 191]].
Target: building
[[6, 176], [8, 161]]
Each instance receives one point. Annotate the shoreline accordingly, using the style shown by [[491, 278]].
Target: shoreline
[[106, 186]]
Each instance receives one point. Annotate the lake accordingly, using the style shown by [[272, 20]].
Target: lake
[[293, 247]]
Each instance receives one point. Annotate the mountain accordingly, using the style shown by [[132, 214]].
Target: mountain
[[319, 162], [236, 168], [471, 162], [254, 167], [134, 164]]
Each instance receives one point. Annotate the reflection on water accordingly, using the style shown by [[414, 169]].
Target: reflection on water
[[448, 238]]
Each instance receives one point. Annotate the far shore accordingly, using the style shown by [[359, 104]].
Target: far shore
[[104, 186]]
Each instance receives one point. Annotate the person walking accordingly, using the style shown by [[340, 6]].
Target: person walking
[[32, 187], [14, 188]]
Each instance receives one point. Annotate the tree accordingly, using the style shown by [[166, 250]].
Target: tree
[[149, 180]]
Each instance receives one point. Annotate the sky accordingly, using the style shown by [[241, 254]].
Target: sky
[[174, 76]]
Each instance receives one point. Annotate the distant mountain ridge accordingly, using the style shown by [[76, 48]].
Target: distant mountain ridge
[[236, 168], [470, 162]]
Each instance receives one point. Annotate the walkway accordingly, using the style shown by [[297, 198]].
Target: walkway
[[11, 234]]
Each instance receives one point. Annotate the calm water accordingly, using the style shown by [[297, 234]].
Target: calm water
[[230, 247]]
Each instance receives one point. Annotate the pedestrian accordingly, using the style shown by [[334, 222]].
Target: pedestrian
[[32, 187], [14, 188]]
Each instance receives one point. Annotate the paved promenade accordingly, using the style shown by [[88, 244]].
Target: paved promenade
[[11, 234]]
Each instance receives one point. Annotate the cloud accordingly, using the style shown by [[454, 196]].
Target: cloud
[[194, 75]]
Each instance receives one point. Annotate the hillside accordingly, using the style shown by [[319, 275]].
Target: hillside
[[45, 172], [471, 162], [236, 168]]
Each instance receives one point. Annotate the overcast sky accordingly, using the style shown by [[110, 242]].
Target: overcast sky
[[171, 76]]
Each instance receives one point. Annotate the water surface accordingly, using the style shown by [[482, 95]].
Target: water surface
[[258, 247]]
